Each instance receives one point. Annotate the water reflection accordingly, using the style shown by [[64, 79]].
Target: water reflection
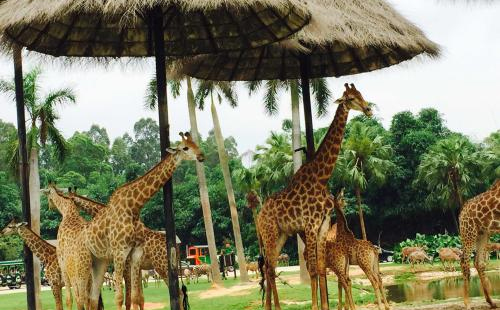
[[445, 288]]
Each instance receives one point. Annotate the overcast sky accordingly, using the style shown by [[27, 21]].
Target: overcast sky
[[463, 84]]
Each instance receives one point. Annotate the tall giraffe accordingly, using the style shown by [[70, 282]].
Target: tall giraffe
[[479, 219], [45, 251], [345, 250], [74, 259], [114, 233], [304, 206], [155, 252]]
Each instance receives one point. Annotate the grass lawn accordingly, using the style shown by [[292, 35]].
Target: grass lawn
[[293, 298], [237, 297]]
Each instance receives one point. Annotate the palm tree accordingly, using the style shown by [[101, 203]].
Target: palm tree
[[151, 102], [365, 158], [224, 90], [322, 95], [249, 184], [450, 171], [42, 116]]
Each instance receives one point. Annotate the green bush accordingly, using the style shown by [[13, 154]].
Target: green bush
[[431, 244]]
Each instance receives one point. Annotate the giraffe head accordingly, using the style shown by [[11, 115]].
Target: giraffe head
[[187, 149], [352, 99], [339, 200], [57, 199], [12, 227]]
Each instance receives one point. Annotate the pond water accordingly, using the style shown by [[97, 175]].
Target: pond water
[[451, 287]]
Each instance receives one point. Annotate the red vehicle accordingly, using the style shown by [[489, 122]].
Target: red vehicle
[[198, 254]]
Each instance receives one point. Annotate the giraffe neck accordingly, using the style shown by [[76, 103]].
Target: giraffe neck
[[41, 248], [64, 205], [136, 193], [342, 228], [326, 156], [89, 206]]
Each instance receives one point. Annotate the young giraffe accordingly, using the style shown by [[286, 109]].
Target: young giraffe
[[114, 232], [479, 218], [346, 250], [303, 207], [45, 252], [155, 252], [74, 258]]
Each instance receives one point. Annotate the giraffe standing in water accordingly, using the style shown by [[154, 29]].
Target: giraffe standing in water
[[479, 219], [304, 206], [115, 233], [45, 251]]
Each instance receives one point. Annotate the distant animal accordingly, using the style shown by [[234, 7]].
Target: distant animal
[[283, 259], [145, 274], [188, 274], [493, 247], [203, 269], [406, 251], [157, 278], [109, 280], [253, 266], [448, 256], [419, 257]]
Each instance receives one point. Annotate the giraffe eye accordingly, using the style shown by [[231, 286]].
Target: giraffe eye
[[185, 148]]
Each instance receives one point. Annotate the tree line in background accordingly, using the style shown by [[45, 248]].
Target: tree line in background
[[412, 177]]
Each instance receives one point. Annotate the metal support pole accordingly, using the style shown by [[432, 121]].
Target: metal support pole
[[305, 63], [23, 172], [161, 88]]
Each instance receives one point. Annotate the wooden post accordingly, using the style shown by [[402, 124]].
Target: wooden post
[[23, 172], [305, 63], [161, 88]]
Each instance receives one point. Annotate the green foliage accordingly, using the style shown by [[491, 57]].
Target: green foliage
[[11, 248], [431, 244]]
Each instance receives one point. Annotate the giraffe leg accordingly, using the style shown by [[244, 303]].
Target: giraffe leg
[[339, 288], [128, 285], [467, 245], [57, 292], [312, 267], [135, 267], [321, 258], [119, 263], [480, 265], [279, 246], [98, 269], [68, 297]]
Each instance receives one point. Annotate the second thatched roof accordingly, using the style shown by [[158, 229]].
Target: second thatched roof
[[115, 28], [345, 37]]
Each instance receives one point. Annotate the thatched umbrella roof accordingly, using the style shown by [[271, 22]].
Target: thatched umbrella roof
[[117, 28], [348, 37]]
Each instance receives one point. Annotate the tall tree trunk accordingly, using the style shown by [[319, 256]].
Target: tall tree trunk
[[297, 162], [34, 188], [458, 198], [230, 193], [361, 217], [202, 180]]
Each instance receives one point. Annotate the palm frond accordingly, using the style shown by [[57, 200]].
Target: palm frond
[[227, 89], [57, 140], [151, 96], [270, 97], [252, 86], [322, 95], [8, 88], [175, 87], [202, 92]]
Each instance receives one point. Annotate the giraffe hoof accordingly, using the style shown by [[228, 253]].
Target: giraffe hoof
[[493, 305]]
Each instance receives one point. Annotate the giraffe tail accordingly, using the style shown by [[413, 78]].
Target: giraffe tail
[[100, 304], [261, 262]]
